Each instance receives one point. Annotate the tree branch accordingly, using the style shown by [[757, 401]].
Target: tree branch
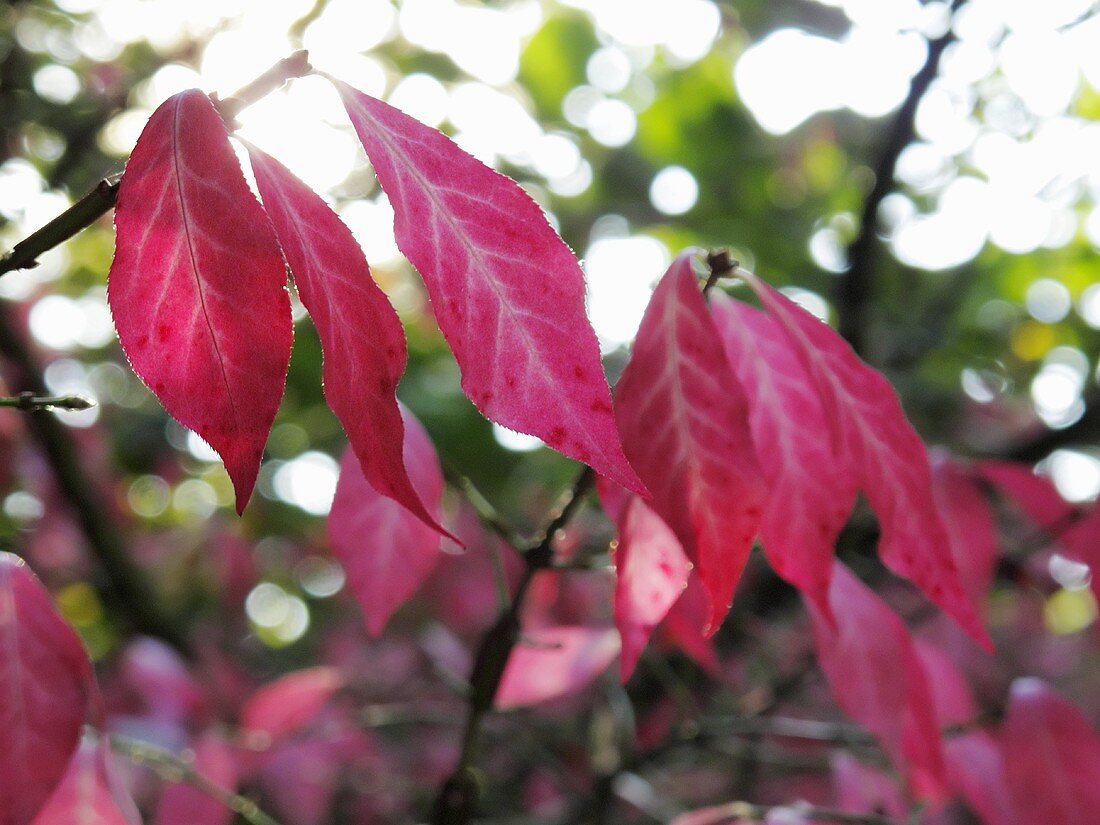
[[457, 799], [855, 289]]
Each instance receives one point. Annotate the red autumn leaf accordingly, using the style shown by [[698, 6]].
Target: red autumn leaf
[[876, 677], [863, 789], [887, 457], [91, 793], [684, 623], [385, 549], [197, 286], [45, 686], [976, 769], [951, 695], [183, 804], [971, 525], [552, 662], [683, 418], [361, 336], [1052, 757], [651, 572], [811, 490], [290, 702], [507, 292]]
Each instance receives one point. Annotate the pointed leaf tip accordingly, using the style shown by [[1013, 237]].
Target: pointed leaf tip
[[508, 294], [197, 287]]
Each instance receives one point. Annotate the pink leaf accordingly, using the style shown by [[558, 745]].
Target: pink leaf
[[507, 292], [290, 702], [159, 675], [551, 662], [1052, 757], [197, 286], [877, 679], [182, 804], [385, 549], [684, 625], [975, 767], [811, 491], [361, 335], [952, 698], [1034, 494], [683, 418], [651, 572], [888, 459], [862, 789], [971, 526], [45, 685], [91, 793]]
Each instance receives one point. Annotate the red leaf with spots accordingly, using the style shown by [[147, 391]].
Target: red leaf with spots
[[877, 679], [45, 686], [1052, 757], [651, 572], [182, 804], [683, 418], [361, 336], [507, 292], [811, 491], [386, 550], [888, 460], [198, 285], [552, 662], [290, 702], [91, 792]]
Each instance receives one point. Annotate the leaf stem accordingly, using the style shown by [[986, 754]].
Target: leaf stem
[[29, 402]]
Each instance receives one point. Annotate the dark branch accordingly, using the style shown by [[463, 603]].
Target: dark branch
[[855, 289]]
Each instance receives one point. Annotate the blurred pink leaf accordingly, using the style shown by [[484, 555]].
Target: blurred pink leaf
[[45, 687], [386, 550], [90, 793], [1052, 757], [290, 702], [551, 662], [971, 525], [976, 770], [684, 423], [877, 679], [507, 292], [198, 285]]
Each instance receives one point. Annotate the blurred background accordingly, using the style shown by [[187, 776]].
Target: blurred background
[[947, 218]]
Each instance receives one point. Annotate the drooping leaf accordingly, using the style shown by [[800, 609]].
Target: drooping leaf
[[91, 793], [198, 285], [651, 572], [811, 489], [971, 525], [45, 687], [888, 458], [975, 767], [361, 336], [552, 662], [183, 804], [385, 549], [876, 677], [1052, 757], [290, 702], [683, 418], [507, 292], [684, 623]]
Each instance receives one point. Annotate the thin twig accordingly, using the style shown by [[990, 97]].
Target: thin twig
[[101, 199], [458, 797], [854, 292], [759, 813], [172, 768], [29, 402]]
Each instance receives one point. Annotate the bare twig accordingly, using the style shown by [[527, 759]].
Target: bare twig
[[458, 798], [855, 288], [747, 811], [29, 402], [172, 768]]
